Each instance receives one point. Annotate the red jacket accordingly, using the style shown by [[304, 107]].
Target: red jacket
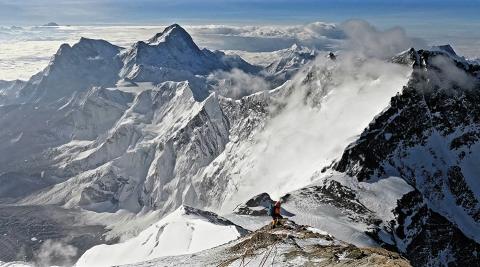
[[277, 210]]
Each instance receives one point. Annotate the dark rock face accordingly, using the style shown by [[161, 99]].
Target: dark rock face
[[335, 194], [260, 200], [422, 108], [418, 227], [256, 206], [211, 217], [429, 137], [464, 196]]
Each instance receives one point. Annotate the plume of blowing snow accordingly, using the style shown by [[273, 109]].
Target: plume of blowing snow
[[331, 103], [236, 83], [55, 253], [366, 40]]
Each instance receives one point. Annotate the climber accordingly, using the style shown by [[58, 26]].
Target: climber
[[332, 56], [275, 211]]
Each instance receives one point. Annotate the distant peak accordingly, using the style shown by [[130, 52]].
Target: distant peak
[[294, 46], [446, 48], [171, 33], [96, 44], [85, 40], [174, 25], [88, 40], [51, 24]]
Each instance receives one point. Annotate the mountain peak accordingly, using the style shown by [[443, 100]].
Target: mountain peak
[[94, 43], [51, 24], [172, 33], [294, 46], [445, 48]]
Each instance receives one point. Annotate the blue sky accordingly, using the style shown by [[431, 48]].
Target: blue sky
[[387, 13], [440, 20]]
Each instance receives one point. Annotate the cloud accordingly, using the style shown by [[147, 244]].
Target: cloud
[[331, 103], [55, 253], [320, 35], [445, 74], [364, 38], [236, 83], [27, 50]]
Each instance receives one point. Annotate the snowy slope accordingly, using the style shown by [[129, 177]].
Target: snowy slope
[[14, 264], [184, 231], [164, 134], [290, 140], [342, 206], [289, 62], [9, 90], [288, 245], [74, 68], [346, 208]]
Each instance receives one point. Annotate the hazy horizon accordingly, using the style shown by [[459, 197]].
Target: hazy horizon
[[26, 50]]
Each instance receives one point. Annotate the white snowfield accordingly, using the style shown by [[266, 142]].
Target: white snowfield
[[14, 264], [379, 197], [184, 231]]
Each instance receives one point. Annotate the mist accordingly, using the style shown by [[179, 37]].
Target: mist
[[53, 253], [448, 75], [236, 83], [365, 40], [321, 117]]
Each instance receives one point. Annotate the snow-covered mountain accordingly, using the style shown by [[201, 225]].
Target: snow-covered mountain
[[9, 89], [289, 62], [141, 130], [428, 136], [184, 231], [173, 56], [74, 69], [290, 245]]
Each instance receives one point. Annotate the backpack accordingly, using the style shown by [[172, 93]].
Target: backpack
[[271, 210]]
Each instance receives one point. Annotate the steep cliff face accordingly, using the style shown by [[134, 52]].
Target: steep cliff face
[[164, 135], [428, 136], [418, 227]]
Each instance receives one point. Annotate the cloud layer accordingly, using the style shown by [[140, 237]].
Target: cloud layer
[[323, 36], [363, 38], [26, 50]]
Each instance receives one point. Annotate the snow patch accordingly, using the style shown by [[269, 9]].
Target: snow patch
[[181, 232]]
